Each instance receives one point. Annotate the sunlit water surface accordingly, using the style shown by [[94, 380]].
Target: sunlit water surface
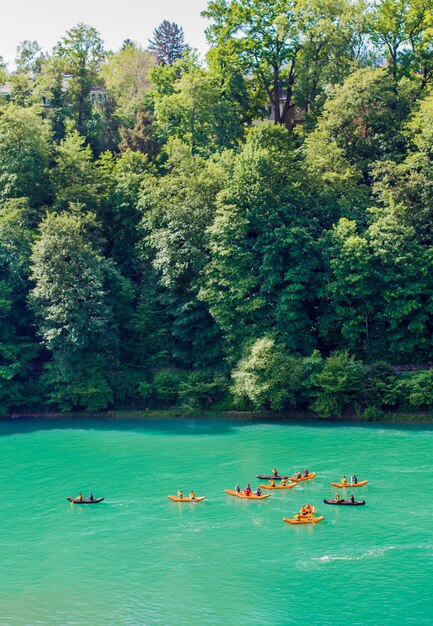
[[138, 558]]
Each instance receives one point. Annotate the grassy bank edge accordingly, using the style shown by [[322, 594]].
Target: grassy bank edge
[[391, 417]]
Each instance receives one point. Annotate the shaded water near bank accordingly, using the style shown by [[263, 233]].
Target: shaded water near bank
[[138, 558]]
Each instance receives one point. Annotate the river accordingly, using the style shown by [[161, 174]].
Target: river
[[139, 559]]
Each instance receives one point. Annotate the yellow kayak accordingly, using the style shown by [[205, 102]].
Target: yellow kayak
[[176, 499], [299, 480], [341, 485], [304, 520], [278, 486], [252, 496]]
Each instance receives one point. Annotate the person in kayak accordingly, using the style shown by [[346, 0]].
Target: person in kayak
[[180, 494], [79, 498], [247, 490], [298, 474], [90, 497], [353, 480], [337, 497], [275, 472], [272, 482], [344, 480], [249, 487], [352, 498], [258, 492], [238, 489], [192, 495], [283, 482], [306, 473]]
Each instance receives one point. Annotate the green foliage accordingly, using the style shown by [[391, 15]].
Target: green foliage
[[417, 388], [338, 385], [267, 376], [199, 114], [24, 155], [159, 238]]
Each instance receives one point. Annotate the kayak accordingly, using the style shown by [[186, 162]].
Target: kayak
[[299, 480], [176, 499], [341, 486], [266, 477], [94, 501], [252, 496], [344, 502], [278, 486], [305, 520]]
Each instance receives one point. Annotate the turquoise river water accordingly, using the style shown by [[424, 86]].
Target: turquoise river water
[[138, 558]]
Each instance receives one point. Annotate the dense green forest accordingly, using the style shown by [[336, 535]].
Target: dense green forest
[[163, 243]]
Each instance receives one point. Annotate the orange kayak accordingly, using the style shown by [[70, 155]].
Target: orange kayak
[[252, 496], [340, 485], [278, 486], [299, 480], [176, 499], [305, 520]]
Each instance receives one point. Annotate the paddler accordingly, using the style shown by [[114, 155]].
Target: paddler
[[258, 492], [344, 480], [275, 472], [79, 498], [180, 494], [192, 495], [306, 473], [247, 490], [352, 498], [238, 489], [283, 482], [298, 474], [337, 497], [90, 497], [272, 482], [353, 480]]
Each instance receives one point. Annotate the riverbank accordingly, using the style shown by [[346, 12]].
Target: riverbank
[[271, 416]]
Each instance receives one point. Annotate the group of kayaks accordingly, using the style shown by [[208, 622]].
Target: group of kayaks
[[307, 515]]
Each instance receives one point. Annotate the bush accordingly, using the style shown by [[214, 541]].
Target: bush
[[418, 389], [268, 376], [338, 385], [202, 388]]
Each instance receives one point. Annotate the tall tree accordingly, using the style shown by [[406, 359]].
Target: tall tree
[[262, 270], [168, 43], [24, 155], [287, 47], [82, 53], [75, 297], [402, 29]]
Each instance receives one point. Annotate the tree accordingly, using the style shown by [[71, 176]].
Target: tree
[[168, 42], [199, 114], [24, 155], [82, 53], [267, 376], [338, 385], [177, 211], [74, 177], [261, 275], [363, 120], [75, 297], [18, 345], [287, 47], [350, 290], [29, 58], [126, 75], [402, 31]]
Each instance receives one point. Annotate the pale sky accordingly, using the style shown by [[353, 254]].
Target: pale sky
[[46, 21]]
